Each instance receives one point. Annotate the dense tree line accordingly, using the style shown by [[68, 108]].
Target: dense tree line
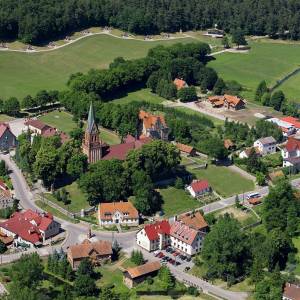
[[36, 21], [232, 254]]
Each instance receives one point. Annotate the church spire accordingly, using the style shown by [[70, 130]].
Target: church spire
[[91, 119]]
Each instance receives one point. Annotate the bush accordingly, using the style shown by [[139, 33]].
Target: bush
[[193, 291], [179, 184], [187, 94]]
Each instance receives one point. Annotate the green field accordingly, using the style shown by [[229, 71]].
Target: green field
[[265, 61], [223, 180], [27, 73], [177, 201]]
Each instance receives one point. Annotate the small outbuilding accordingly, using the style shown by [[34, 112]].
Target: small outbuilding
[[136, 275], [199, 188]]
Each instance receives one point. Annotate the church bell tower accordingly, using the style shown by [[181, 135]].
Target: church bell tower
[[92, 146]]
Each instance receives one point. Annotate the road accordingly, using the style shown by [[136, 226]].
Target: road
[[76, 233]]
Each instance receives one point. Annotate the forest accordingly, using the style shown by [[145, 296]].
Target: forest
[[38, 21]]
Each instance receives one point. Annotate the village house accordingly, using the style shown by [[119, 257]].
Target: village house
[[7, 139], [291, 292], [246, 153], [227, 101], [185, 238], [154, 236], [123, 213], [6, 200], [97, 252], [194, 220], [180, 84], [186, 149], [293, 121], [30, 228], [266, 145], [198, 188], [37, 127], [136, 275], [286, 127], [154, 126], [291, 153]]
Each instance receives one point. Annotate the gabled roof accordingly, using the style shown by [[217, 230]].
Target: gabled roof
[[85, 249], [267, 140], [199, 185], [3, 128], [292, 144], [183, 232], [233, 100], [144, 269], [291, 291], [185, 148], [180, 83], [194, 220], [294, 121], [228, 143], [149, 120], [106, 210], [152, 230], [36, 123]]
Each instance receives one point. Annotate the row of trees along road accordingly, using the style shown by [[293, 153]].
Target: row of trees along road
[[37, 21], [233, 254]]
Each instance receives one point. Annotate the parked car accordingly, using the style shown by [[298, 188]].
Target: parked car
[[176, 254], [169, 249], [172, 261], [188, 258], [182, 257], [186, 269], [178, 263], [155, 253], [172, 251]]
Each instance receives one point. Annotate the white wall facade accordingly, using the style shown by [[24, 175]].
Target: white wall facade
[[265, 149]]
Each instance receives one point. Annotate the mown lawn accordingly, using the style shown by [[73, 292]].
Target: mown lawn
[[265, 61], [139, 96], [28, 73], [223, 180], [177, 201], [296, 242], [77, 197]]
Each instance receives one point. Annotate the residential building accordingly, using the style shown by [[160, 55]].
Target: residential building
[[227, 101], [194, 220], [30, 228], [136, 275], [7, 139], [185, 238], [6, 200], [98, 252], [186, 149], [291, 292], [291, 153], [154, 236], [286, 127], [36, 126], [198, 188], [180, 84], [246, 153], [123, 213], [293, 121], [154, 126], [266, 145]]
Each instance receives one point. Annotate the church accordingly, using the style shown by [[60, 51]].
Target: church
[[95, 149]]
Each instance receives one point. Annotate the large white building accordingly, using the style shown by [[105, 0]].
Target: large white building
[[291, 153], [286, 127], [266, 145], [185, 234], [123, 213]]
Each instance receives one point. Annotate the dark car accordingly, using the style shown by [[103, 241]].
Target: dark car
[[183, 257], [187, 269], [188, 258], [178, 263], [172, 261], [169, 249]]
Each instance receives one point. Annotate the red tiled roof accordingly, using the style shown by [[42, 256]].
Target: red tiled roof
[[293, 144], [149, 120], [36, 123], [185, 148], [180, 83], [291, 291], [194, 220], [152, 230], [51, 131], [144, 269], [3, 128], [183, 232], [200, 185], [294, 121], [234, 100], [254, 201], [106, 210], [21, 223], [120, 151], [3, 186]]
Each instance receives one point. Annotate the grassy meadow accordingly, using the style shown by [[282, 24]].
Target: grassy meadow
[[265, 61], [26, 73]]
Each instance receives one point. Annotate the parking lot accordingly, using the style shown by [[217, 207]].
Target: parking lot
[[174, 257]]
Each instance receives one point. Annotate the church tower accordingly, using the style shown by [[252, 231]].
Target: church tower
[[92, 146]]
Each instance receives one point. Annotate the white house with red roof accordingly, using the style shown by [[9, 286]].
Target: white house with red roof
[[198, 188], [293, 121], [291, 291], [291, 153], [185, 238], [154, 236], [30, 228]]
